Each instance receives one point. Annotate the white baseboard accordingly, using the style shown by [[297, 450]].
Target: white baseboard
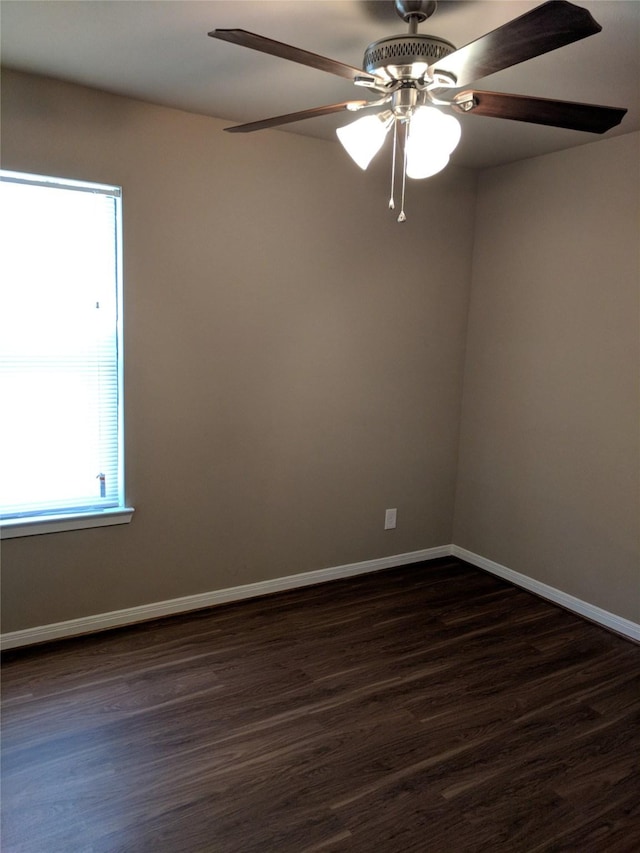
[[596, 614], [144, 612]]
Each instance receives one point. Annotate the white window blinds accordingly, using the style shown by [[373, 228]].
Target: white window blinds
[[60, 370]]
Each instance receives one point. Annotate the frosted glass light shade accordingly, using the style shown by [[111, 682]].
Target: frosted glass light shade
[[362, 139], [424, 164], [432, 138], [435, 128]]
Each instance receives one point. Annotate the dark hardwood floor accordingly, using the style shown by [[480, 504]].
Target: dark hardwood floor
[[432, 708]]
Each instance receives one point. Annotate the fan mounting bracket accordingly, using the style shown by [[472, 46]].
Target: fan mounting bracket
[[415, 10]]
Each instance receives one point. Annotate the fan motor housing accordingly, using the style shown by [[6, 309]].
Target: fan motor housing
[[405, 56]]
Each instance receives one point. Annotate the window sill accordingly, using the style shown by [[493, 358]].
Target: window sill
[[15, 527]]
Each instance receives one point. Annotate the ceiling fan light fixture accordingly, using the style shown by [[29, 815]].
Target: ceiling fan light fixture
[[411, 70], [363, 138]]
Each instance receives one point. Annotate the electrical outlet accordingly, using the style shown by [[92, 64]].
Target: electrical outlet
[[390, 519]]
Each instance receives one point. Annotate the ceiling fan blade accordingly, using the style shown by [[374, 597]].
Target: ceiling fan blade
[[589, 117], [545, 28], [295, 54], [290, 117]]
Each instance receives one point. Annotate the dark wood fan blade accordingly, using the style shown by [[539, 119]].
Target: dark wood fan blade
[[295, 54], [290, 117], [545, 28], [589, 117]]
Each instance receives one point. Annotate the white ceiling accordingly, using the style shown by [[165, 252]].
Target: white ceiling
[[160, 52]]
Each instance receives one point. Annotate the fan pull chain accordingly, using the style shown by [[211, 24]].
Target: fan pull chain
[[392, 203], [402, 216]]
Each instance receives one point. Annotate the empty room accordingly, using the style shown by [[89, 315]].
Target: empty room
[[320, 474]]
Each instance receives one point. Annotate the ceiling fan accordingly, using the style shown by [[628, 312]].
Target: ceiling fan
[[420, 79]]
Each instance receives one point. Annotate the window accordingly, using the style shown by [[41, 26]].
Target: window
[[61, 449]]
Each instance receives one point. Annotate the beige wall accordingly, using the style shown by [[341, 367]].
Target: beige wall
[[549, 463], [293, 356]]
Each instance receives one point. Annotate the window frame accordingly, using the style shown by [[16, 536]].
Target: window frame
[[78, 519]]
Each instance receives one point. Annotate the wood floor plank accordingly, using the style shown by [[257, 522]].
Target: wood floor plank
[[431, 707]]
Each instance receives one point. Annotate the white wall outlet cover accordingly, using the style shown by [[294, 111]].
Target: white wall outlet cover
[[390, 519]]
